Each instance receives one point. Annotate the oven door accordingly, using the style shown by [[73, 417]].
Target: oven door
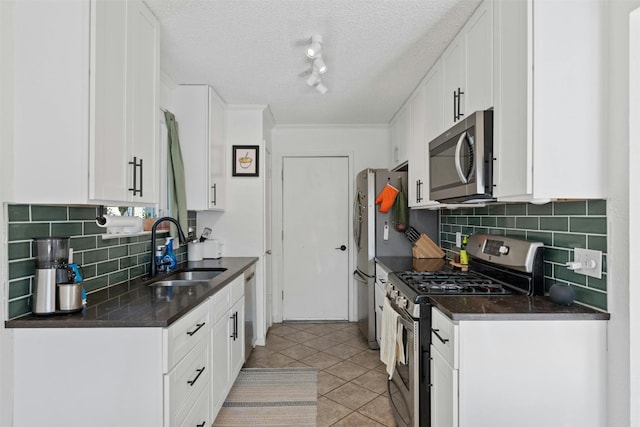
[[404, 384]]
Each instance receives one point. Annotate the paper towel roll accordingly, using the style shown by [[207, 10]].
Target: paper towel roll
[[120, 224]]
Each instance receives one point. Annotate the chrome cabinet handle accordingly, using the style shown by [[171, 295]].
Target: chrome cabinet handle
[[199, 325], [193, 381], [435, 331]]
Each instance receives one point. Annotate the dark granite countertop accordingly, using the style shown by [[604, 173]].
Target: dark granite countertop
[[512, 307], [135, 304]]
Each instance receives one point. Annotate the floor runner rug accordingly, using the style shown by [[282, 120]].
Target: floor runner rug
[[271, 397]]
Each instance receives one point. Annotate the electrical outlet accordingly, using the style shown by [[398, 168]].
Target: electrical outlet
[[590, 260], [458, 239]]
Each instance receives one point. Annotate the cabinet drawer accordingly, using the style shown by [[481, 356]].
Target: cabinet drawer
[[184, 334], [186, 382], [199, 415], [237, 288], [220, 304], [444, 336]]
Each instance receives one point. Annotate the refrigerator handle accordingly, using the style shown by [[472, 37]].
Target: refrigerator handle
[[361, 277]]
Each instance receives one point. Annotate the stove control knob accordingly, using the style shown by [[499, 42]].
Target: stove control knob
[[401, 302], [393, 294], [503, 250], [388, 287]]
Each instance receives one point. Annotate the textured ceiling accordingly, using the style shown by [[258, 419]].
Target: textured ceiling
[[252, 52]]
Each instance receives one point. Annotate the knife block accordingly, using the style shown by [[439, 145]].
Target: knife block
[[424, 247]]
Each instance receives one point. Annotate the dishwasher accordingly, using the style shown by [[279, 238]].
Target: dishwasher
[[250, 310]]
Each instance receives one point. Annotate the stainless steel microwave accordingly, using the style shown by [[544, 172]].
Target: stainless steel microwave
[[461, 161]]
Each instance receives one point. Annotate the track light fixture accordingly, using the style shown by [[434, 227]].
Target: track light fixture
[[315, 48], [313, 79], [319, 65], [314, 51], [321, 88]]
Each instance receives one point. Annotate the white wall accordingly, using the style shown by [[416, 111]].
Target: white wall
[[623, 304], [6, 172], [366, 147], [241, 227]]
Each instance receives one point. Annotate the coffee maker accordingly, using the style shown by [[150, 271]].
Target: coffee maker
[[58, 287]]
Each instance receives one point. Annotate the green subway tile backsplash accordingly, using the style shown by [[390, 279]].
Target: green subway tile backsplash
[[560, 226], [105, 263], [49, 213], [18, 213]]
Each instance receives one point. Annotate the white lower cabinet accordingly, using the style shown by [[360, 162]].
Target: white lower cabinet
[[186, 383], [382, 276], [525, 373], [444, 399], [227, 339], [147, 377]]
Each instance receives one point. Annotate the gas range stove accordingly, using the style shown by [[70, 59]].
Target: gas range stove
[[498, 266]]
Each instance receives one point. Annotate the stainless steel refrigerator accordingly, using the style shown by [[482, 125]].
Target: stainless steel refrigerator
[[369, 238]]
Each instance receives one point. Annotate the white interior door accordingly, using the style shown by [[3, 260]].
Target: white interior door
[[315, 224]]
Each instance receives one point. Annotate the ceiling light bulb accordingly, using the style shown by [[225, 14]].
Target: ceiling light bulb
[[321, 88], [319, 65], [313, 79], [314, 49]]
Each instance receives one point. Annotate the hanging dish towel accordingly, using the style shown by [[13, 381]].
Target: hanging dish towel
[[386, 197], [401, 210], [389, 337]]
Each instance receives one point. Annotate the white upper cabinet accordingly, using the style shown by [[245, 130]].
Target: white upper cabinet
[[51, 102], [454, 89], [200, 114], [459, 83], [417, 190], [433, 104], [478, 33], [467, 66], [86, 102], [400, 137], [124, 98], [550, 100]]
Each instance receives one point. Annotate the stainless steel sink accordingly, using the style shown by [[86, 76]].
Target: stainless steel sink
[[167, 283], [196, 275]]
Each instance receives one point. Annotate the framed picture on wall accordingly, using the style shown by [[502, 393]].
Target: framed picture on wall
[[246, 160]]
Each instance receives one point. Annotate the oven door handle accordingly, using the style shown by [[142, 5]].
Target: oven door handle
[[403, 317]]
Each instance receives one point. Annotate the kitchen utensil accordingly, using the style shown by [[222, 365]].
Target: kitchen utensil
[[205, 234], [412, 234], [195, 251], [69, 297]]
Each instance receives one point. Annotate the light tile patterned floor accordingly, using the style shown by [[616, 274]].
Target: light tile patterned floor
[[352, 383]]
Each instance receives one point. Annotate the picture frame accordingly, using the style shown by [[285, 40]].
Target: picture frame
[[246, 160]]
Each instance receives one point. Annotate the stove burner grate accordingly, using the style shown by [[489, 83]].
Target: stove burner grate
[[450, 283]]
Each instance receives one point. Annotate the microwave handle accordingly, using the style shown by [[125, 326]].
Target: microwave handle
[[459, 170]]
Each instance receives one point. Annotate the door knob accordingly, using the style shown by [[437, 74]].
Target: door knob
[[342, 248]]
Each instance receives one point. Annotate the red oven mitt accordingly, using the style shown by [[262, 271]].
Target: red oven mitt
[[386, 197]]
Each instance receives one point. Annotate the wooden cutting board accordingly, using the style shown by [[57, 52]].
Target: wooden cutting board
[[424, 247]]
